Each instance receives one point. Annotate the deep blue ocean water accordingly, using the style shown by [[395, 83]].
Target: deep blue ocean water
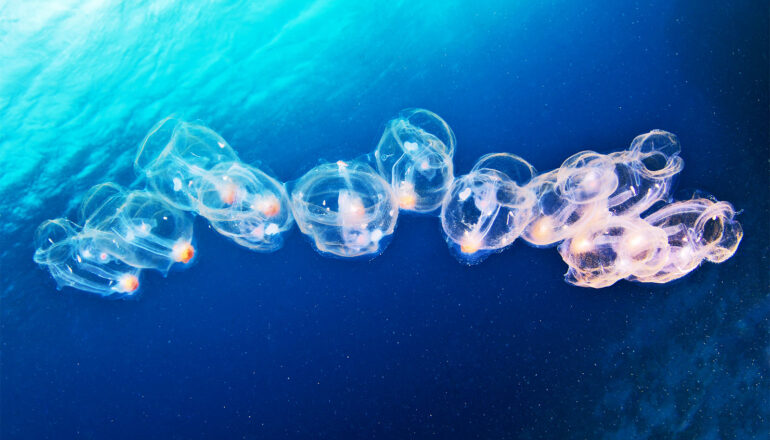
[[411, 344]]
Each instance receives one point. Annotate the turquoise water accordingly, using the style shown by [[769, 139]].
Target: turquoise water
[[82, 84], [410, 344]]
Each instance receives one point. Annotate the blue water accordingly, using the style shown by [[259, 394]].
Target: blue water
[[410, 344]]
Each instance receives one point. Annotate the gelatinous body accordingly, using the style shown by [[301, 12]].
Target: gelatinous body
[[194, 169], [590, 184], [611, 248], [137, 227], [587, 177], [664, 246], [175, 155], [245, 204], [67, 253], [696, 229], [415, 156], [487, 209], [347, 209], [646, 172], [555, 217]]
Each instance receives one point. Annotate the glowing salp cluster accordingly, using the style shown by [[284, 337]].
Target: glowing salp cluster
[[611, 216], [119, 233], [621, 239], [595, 207], [663, 246], [195, 169]]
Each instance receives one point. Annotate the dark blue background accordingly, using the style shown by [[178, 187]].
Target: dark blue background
[[413, 344]]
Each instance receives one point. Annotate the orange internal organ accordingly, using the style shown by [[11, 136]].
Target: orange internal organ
[[183, 252]]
